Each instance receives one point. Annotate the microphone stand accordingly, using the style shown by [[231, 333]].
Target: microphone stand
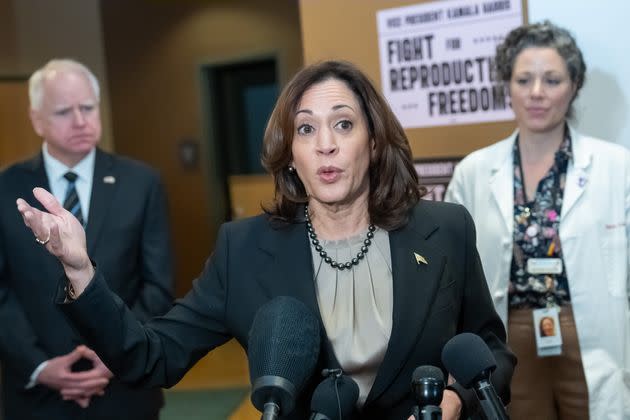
[[490, 403], [429, 412], [271, 411]]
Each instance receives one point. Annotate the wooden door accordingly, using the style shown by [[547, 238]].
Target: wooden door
[[18, 141]]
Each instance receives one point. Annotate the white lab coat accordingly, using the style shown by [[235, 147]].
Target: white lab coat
[[594, 234]]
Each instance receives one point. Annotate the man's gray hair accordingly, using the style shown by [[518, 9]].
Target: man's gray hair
[[36, 81]]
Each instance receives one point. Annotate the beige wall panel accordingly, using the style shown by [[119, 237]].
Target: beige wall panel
[[248, 193], [225, 367], [18, 141]]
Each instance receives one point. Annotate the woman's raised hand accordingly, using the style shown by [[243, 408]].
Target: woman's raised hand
[[62, 235]]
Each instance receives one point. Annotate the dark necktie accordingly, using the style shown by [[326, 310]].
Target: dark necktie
[[72, 203]]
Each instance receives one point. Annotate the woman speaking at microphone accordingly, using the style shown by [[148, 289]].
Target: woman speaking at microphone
[[391, 277], [552, 208]]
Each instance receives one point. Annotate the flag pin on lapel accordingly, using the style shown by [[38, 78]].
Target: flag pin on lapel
[[420, 259], [109, 179]]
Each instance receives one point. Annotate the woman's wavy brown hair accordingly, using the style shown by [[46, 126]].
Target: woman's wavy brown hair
[[543, 35], [394, 185]]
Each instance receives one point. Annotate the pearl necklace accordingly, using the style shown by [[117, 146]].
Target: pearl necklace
[[334, 264]]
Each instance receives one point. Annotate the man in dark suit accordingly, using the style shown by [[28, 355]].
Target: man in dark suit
[[47, 373]]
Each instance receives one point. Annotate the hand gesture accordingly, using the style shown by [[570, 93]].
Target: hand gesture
[[62, 235], [80, 393], [76, 386], [451, 405]]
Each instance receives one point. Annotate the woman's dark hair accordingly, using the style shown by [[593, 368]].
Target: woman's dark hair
[[545, 35], [394, 186]]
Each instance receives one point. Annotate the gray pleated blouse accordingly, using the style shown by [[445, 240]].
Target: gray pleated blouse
[[356, 305]]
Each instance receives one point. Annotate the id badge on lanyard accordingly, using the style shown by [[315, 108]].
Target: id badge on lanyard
[[544, 265], [547, 331]]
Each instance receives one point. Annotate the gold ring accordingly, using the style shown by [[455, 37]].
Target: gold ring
[[45, 241]]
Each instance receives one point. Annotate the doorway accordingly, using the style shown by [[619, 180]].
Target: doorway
[[239, 97]]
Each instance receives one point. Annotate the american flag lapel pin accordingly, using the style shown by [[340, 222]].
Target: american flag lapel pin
[[420, 259]]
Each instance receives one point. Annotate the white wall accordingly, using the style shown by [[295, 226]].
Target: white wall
[[601, 30]]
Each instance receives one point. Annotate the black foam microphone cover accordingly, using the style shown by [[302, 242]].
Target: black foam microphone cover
[[427, 383], [324, 401], [283, 348], [468, 358]]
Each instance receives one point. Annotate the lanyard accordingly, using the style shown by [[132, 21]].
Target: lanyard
[[526, 211], [556, 182]]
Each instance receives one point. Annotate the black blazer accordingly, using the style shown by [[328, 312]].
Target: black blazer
[[254, 262], [128, 233]]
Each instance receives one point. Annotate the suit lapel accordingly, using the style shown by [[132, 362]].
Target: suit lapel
[[102, 196], [415, 284], [40, 179], [502, 182], [49, 265], [291, 263], [577, 174], [291, 269]]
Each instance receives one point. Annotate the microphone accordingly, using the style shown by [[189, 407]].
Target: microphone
[[335, 397], [470, 361], [427, 383], [283, 348], [332, 372]]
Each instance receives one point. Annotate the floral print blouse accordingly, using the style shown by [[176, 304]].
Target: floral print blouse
[[536, 227]]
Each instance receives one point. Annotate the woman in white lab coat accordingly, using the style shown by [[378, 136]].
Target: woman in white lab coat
[[551, 208]]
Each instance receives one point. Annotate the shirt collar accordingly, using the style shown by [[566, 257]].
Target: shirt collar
[[565, 151], [563, 154], [56, 169]]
